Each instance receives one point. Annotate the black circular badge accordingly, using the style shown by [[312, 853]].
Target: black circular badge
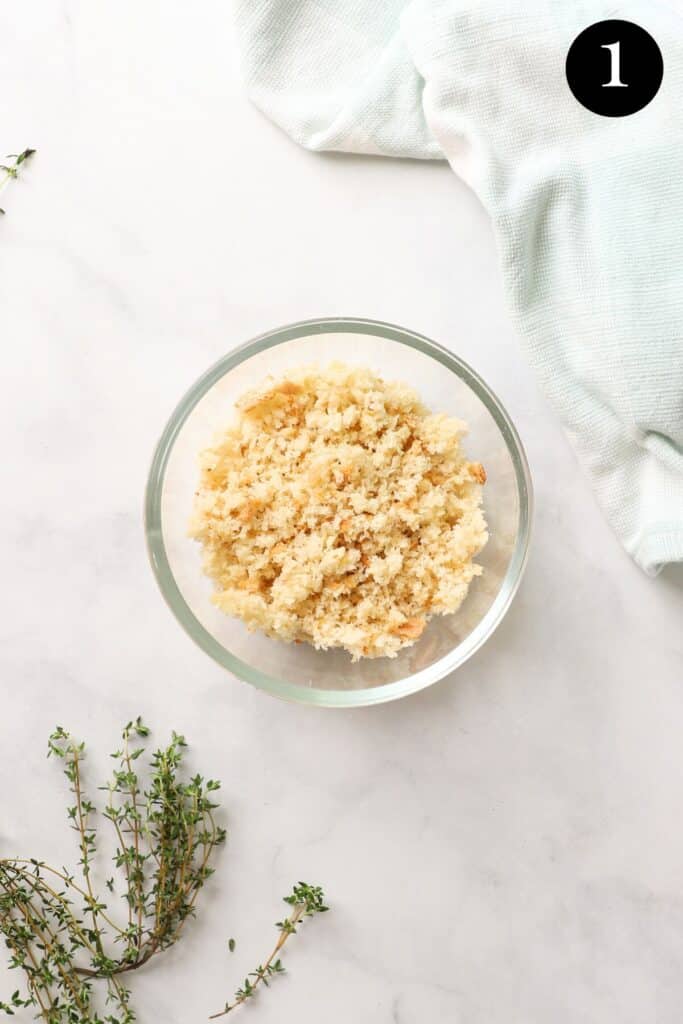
[[614, 68]]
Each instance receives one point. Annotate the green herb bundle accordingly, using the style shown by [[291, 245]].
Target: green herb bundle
[[61, 933]]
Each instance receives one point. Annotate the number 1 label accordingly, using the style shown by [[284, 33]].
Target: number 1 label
[[615, 65], [635, 73]]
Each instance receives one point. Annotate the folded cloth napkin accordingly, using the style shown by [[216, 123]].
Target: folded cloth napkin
[[588, 210]]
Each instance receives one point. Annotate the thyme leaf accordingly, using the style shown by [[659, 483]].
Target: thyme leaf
[[12, 171]]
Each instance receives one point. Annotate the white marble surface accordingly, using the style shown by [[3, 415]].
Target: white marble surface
[[504, 848]]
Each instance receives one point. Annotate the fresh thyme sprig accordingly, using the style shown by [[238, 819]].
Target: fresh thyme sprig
[[60, 933], [12, 170], [305, 900]]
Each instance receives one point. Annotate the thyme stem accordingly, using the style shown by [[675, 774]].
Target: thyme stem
[[306, 900]]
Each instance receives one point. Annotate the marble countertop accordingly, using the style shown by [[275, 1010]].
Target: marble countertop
[[502, 848]]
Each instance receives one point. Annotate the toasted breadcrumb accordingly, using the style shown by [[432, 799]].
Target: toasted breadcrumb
[[339, 511]]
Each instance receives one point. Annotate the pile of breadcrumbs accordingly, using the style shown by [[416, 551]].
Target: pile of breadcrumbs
[[338, 511]]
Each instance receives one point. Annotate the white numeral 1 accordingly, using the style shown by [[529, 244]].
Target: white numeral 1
[[615, 65]]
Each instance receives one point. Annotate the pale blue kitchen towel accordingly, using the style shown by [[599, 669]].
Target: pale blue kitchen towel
[[588, 210]]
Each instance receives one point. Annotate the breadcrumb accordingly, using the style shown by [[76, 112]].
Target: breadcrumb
[[339, 511]]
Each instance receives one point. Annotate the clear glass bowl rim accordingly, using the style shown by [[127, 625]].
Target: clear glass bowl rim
[[278, 687]]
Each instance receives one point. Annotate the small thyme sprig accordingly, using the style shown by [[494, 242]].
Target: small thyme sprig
[[12, 171], [305, 900], [166, 835]]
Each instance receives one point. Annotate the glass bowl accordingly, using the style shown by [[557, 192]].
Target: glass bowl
[[297, 671]]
